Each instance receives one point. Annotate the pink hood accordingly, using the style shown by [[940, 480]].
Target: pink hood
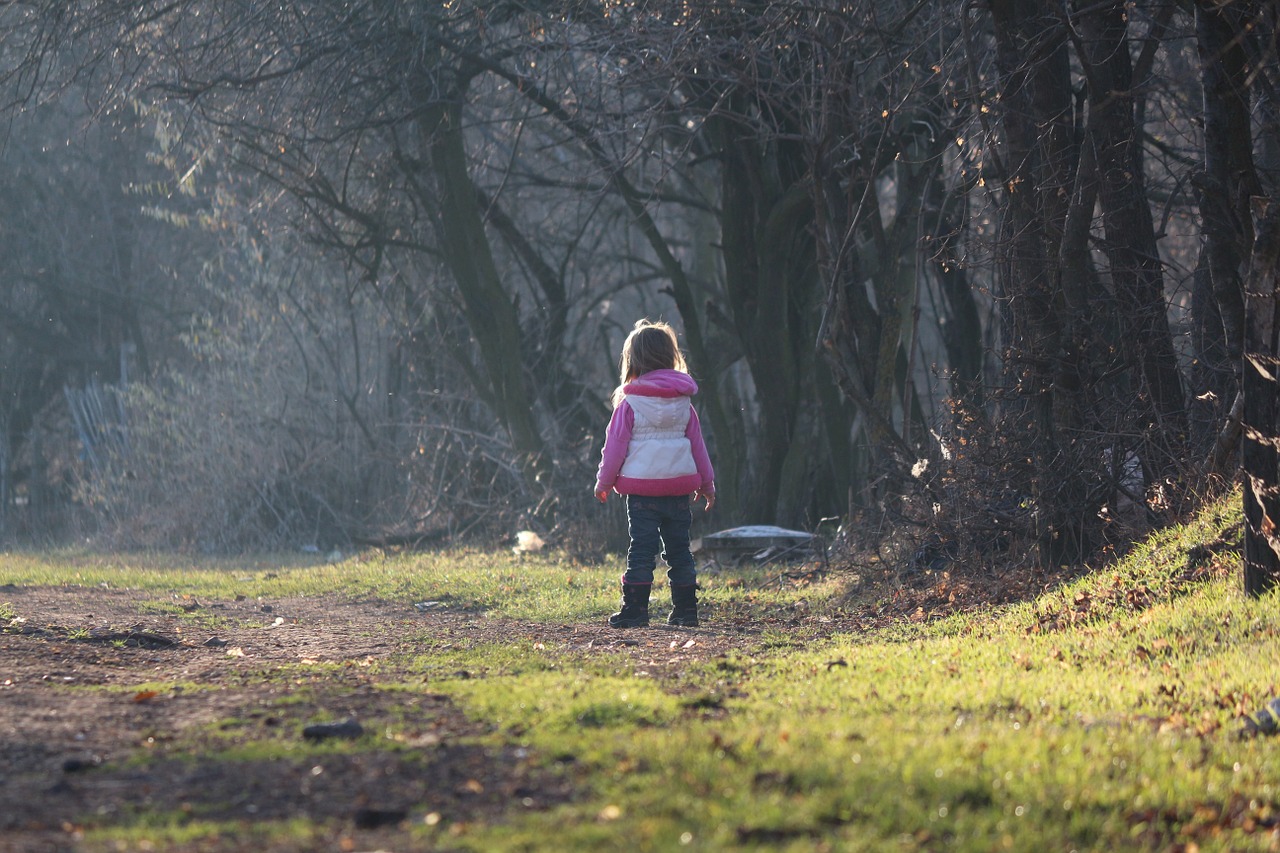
[[662, 383]]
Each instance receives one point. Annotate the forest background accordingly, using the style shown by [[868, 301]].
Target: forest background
[[992, 279]]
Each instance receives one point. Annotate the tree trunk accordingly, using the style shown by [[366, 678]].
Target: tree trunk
[[1260, 383], [1029, 87], [491, 314], [1223, 191], [576, 407], [1130, 243], [758, 238], [961, 326]]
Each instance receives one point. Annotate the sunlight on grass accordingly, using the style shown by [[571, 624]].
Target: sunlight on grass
[[536, 588], [180, 830], [569, 703], [1104, 715], [1112, 730]]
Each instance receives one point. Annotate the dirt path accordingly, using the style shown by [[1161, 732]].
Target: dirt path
[[71, 756]]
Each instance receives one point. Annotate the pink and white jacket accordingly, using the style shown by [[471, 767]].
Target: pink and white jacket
[[654, 445]]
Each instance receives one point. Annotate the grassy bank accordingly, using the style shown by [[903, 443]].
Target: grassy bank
[[1103, 715]]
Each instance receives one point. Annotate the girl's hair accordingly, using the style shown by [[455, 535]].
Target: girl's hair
[[650, 346]]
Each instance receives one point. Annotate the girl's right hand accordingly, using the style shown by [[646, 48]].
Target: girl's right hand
[[602, 495]]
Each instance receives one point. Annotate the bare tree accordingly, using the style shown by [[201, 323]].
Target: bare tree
[[855, 210]]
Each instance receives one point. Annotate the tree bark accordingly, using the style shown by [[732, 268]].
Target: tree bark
[[962, 329], [768, 258], [1223, 190], [1130, 241], [1033, 94], [491, 314], [1260, 383]]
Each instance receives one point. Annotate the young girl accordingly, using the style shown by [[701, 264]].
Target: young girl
[[655, 456]]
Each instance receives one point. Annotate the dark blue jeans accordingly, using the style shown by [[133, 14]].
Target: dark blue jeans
[[659, 524]]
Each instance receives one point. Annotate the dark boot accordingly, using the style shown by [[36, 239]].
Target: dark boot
[[684, 605], [635, 607]]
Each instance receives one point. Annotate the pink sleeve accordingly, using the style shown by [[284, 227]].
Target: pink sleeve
[[616, 440], [700, 458]]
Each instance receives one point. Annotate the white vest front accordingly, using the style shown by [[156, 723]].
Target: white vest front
[[659, 449]]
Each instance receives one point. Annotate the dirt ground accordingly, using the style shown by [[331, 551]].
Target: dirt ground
[[71, 757], [75, 758]]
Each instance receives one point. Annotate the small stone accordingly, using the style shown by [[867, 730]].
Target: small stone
[[1268, 718], [373, 818], [1265, 722], [78, 763], [347, 728]]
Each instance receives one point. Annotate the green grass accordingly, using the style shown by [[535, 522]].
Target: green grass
[[182, 830], [985, 740], [1102, 716], [538, 588]]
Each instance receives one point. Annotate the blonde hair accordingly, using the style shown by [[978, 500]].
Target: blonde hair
[[649, 346]]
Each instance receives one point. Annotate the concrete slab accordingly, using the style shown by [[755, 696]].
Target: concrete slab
[[737, 543]]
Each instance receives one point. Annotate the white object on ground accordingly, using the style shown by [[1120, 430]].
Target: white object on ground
[[753, 538], [527, 542]]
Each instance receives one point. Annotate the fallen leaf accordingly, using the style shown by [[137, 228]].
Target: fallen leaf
[[235, 652], [689, 645], [144, 696]]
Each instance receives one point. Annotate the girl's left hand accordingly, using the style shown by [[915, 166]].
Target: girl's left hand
[[709, 497]]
